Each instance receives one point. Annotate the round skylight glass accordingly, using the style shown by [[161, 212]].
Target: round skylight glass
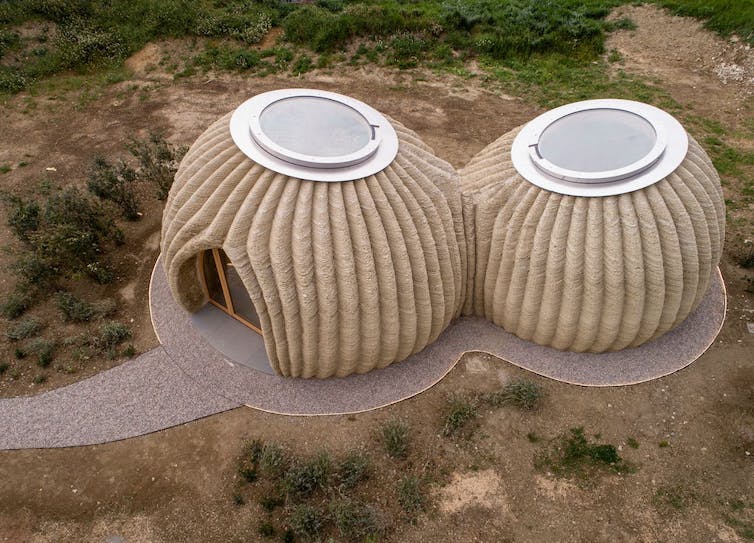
[[315, 135], [315, 126], [599, 147]]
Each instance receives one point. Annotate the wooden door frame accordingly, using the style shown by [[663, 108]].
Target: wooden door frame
[[224, 286]]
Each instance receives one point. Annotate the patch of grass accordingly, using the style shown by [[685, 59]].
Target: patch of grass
[[357, 521], [4, 366], [74, 309], [722, 16], [460, 411], [14, 305], [663, 444], [5, 168], [631, 442], [353, 469], [112, 334], [522, 394], [23, 329], [39, 379], [395, 438], [303, 478], [573, 454], [669, 498], [533, 438], [307, 521], [43, 349], [411, 495]]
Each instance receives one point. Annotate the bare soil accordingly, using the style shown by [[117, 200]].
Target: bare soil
[[177, 485]]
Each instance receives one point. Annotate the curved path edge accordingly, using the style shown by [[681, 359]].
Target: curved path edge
[[186, 379]]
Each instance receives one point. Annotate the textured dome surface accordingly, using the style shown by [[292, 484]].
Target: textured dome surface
[[346, 277], [589, 274]]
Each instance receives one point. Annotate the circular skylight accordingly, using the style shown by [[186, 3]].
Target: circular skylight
[[599, 147], [314, 135]]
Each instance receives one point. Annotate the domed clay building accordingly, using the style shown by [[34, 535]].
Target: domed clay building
[[595, 227], [330, 230]]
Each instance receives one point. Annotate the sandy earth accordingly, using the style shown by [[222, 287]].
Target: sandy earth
[[176, 485]]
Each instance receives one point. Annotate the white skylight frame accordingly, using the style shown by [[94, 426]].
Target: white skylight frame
[[667, 153], [374, 157]]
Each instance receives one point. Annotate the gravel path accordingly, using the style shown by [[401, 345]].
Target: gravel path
[[186, 379]]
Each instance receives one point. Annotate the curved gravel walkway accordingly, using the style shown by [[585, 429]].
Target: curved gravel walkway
[[186, 379]]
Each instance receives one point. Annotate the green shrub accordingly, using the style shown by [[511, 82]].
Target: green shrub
[[307, 521], [112, 334], [4, 366], [158, 161], [23, 217], [317, 28], [411, 496], [304, 478], [12, 81], [115, 183], [522, 394], [407, 50], [65, 237], [273, 460], [572, 454], [23, 329], [82, 47], [460, 412], [302, 65], [73, 308], [39, 379], [43, 349], [14, 305], [354, 469], [395, 438], [358, 521]]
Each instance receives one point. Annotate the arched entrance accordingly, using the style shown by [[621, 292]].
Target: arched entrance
[[226, 289]]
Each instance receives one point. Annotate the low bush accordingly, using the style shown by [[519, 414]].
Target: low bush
[[158, 161], [64, 237], [43, 349], [4, 366], [353, 469], [411, 496], [573, 454], [74, 309], [357, 521], [395, 438], [23, 329], [460, 411], [522, 394], [305, 477], [14, 305], [307, 521], [117, 184], [112, 334]]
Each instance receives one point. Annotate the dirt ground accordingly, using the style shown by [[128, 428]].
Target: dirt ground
[[176, 485]]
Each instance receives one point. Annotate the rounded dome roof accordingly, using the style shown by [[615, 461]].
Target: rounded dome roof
[[346, 277], [590, 273]]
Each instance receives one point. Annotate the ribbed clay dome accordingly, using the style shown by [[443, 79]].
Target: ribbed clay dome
[[589, 273], [345, 276]]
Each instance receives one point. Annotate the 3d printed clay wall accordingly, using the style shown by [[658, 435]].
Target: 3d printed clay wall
[[589, 273], [346, 276]]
